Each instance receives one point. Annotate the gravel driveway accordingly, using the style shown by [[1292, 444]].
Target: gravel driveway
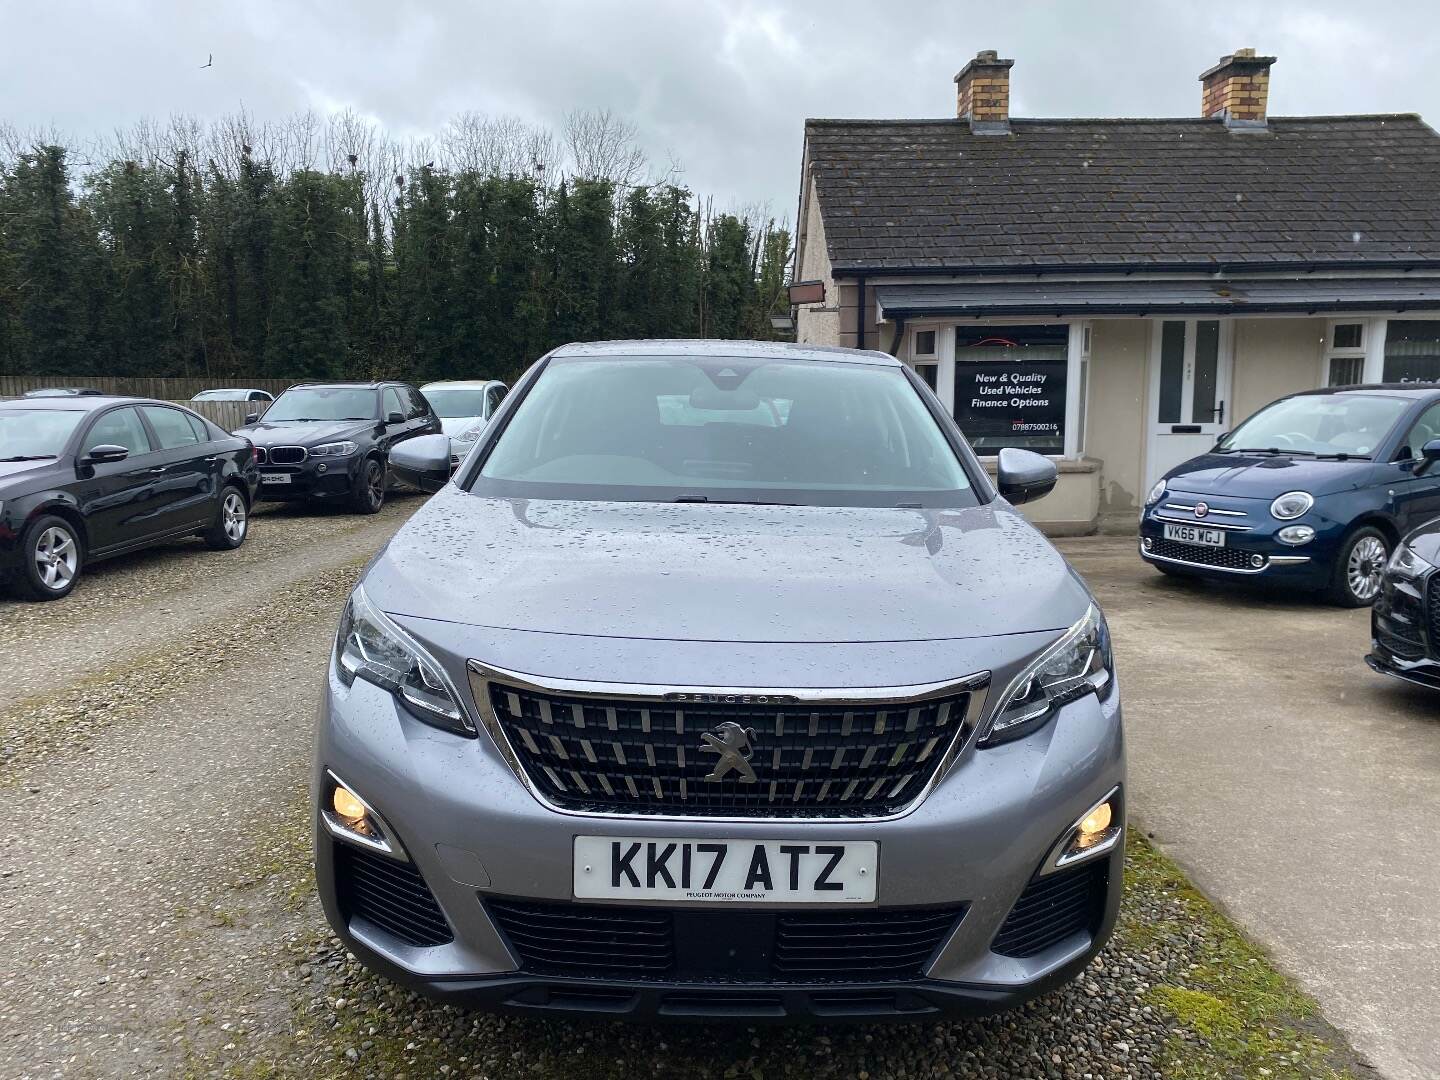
[[156, 915]]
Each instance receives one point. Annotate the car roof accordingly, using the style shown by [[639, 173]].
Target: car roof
[[709, 347], [347, 385], [460, 384], [1412, 390], [234, 390], [87, 403]]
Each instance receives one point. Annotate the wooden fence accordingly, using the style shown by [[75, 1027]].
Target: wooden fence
[[228, 414], [165, 389]]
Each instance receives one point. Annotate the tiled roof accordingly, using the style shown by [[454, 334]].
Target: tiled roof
[[928, 194]]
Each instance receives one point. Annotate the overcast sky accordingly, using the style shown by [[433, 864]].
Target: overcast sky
[[721, 86]]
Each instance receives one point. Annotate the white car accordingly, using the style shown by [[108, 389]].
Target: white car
[[464, 407]]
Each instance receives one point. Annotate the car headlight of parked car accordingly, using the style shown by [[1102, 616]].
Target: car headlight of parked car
[[1291, 505], [370, 646], [1155, 493], [333, 449], [1406, 564], [1079, 663]]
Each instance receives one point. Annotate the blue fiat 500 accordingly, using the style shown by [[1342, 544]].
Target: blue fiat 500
[[1313, 491]]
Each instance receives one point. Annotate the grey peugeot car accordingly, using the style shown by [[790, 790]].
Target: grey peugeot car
[[720, 682]]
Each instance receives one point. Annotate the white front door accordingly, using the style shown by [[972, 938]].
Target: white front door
[[1189, 405]]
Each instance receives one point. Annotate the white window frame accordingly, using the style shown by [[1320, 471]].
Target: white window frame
[[1331, 351]]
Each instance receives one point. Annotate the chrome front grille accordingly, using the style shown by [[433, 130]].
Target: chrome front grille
[[654, 755], [287, 455]]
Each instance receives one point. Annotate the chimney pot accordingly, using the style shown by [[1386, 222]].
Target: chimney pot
[[982, 93], [1237, 89]]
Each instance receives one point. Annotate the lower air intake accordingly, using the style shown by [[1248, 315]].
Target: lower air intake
[[390, 894], [1053, 908], [602, 942]]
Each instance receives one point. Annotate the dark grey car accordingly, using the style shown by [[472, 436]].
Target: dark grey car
[[720, 682]]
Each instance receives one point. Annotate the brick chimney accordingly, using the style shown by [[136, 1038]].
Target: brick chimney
[[1236, 89], [982, 93]]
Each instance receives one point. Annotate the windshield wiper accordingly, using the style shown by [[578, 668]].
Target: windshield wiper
[[1270, 450], [28, 457], [730, 502]]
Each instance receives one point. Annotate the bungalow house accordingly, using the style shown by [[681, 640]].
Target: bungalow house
[[1118, 293]]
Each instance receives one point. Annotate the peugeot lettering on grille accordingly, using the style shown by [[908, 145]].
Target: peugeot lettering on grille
[[734, 745]]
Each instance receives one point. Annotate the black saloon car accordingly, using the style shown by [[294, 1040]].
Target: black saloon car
[[84, 478], [1405, 621], [333, 440]]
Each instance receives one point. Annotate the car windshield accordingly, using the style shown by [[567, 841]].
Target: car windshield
[[1322, 425], [36, 433], [325, 403], [453, 403], [725, 429]]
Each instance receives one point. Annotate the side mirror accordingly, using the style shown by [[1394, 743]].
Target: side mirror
[[1429, 454], [394, 418], [422, 462], [1025, 476], [252, 418], [105, 452]]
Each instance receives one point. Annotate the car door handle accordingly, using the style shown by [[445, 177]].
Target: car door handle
[[159, 469]]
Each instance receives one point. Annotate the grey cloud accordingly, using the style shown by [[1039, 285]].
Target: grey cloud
[[723, 88]]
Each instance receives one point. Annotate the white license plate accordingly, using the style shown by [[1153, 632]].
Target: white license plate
[[274, 478], [772, 871], [1193, 534]]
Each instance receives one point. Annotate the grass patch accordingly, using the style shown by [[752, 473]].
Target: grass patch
[[1236, 1015]]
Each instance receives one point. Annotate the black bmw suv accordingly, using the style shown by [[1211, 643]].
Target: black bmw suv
[[333, 440]]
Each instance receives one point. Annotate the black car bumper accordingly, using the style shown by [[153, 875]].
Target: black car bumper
[[924, 999], [334, 478]]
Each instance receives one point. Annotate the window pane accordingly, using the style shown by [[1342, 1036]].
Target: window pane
[[1412, 351], [676, 426], [925, 343], [119, 428], [1346, 336], [1426, 429], [1172, 371], [171, 427], [1346, 370], [1010, 386], [1207, 366], [930, 373]]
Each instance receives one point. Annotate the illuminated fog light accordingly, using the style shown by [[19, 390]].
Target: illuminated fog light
[[350, 809], [1094, 824], [1257, 561], [1296, 534], [349, 817], [1099, 831]]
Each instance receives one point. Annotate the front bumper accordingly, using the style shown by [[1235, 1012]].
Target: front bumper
[[318, 479], [476, 835], [1251, 551], [1402, 637]]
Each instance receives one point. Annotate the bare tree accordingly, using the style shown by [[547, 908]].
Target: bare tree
[[604, 147], [500, 146]]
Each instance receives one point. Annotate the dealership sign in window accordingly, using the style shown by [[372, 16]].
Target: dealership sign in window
[[1010, 386]]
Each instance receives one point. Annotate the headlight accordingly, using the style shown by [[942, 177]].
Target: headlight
[[469, 435], [1291, 505], [1079, 663], [1406, 564], [1155, 493], [370, 646], [333, 449]]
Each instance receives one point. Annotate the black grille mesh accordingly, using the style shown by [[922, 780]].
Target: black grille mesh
[[1432, 608], [1228, 558], [1052, 908], [831, 760], [391, 894], [603, 942], [287, 455]]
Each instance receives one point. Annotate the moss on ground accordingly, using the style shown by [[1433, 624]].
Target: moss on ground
[[1236, 1015]]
